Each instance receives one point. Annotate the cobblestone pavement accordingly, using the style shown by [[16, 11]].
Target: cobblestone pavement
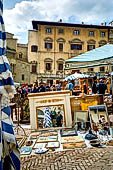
[[78, 159]]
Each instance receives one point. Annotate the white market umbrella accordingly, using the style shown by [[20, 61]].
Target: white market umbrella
[[76, 76]]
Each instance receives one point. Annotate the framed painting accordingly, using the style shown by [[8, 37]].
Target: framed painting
[[81, 116], [98, 112], [53, 145]]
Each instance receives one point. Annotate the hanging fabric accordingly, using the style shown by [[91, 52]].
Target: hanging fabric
[[9, 153], [47, 118]]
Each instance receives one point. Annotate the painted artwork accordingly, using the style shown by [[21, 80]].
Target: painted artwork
[[67, 132], [47, 139], [81, 116], [72, 139], [74, 145], [25, 150], [52, 145], [45, 134]]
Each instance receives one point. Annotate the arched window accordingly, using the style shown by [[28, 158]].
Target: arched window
[[48, 64], [102, 42], [48, 42], [91, 44], [60, 63], [61, 42], [76, 44]]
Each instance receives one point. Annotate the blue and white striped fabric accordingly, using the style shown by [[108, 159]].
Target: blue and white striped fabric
[[8, 144], [47, 118]]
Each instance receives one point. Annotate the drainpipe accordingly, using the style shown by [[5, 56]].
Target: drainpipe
[[54, 47]]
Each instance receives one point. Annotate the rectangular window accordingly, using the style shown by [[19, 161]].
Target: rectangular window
[[76, 32], [48, 66], [102, 34], [102, 68], [48, 45], [60, 67], [20, 55], [90, 69], [34, 48], [48, 30], [22, 76], [76, 46], [60, 31], [34, 69], [91, 33], [60, 46], [90, 47]]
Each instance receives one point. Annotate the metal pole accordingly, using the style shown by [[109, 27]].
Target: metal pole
[[112, 85]]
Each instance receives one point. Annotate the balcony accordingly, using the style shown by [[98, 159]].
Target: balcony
[[52, 76]]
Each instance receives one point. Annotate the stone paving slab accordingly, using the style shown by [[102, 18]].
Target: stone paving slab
[[78, 159]]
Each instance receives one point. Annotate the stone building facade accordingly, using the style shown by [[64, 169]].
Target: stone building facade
[[11, 52], [18, 58], [51, 43]]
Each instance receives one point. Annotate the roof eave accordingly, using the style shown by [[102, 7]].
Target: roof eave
[[35, 23]]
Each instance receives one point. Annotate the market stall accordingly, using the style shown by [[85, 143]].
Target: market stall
[[82, 83], [81, 103]]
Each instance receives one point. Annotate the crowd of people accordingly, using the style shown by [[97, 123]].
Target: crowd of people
[[97, 87], [35, 88]]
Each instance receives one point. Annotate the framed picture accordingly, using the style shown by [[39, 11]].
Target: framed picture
[[48, 133], [47, 139], [67, 132], [39, 145], [74, 145], [81, 116], [72, 139], [97, 112], [53, 145]]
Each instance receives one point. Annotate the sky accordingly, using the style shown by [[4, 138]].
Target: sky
[[18, 14]]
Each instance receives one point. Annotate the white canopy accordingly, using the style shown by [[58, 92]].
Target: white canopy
[[16, 84], [76, 76]]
